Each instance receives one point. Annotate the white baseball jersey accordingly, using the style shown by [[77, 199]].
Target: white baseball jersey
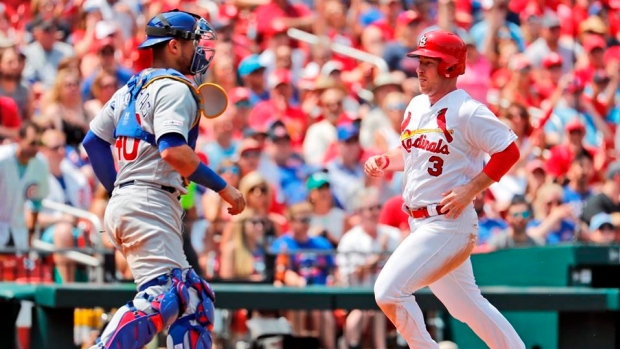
[[77, 192], [139, 160], [356, 246], [444, 145], [16, 191]]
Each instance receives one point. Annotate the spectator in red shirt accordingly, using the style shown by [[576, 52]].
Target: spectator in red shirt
[[594, 46], [295, 15], [392, 214], [390, 10], [549, 77], [561, 155], [9, 118], [279, 107]]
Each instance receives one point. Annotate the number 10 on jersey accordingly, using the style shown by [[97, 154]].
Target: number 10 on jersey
[[127, 148]]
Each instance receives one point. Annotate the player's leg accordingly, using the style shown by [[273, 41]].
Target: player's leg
[[459, 293], [429, 252], [193, 329], [135, 324]]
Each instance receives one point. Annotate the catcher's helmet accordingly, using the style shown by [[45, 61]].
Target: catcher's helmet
[[446, 46], [177, 24]]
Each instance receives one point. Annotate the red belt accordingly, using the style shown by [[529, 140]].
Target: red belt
[[423, 212]]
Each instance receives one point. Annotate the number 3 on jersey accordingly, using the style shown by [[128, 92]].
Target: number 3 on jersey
[[436, 167], [123, 145]]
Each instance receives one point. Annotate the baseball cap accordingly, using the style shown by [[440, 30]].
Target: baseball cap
[[278, 77], [599, 220], [250, 64], [104, 29], [317, 180], [277, 130], [347, 131], [248, 144], [330, 67], [594, 24], [238, 94], [106, 42], [408, 17], [551, 21], [553, 59], [45, 24], [575, 86], [575, 125], [386, 79], [519, 62], [593, 42], [534, 165]]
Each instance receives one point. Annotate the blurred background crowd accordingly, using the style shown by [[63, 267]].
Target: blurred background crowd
[[304, 114]]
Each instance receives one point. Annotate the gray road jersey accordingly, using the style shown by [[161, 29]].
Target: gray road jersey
[[165, 106]]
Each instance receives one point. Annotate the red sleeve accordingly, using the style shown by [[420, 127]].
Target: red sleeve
[[9, 114], [501, 162]]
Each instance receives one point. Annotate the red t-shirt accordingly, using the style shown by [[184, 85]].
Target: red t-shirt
[[9, 113], [561, 156], [392, 213], [265, 14], [388, 31]]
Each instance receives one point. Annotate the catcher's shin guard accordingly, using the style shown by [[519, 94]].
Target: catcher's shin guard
[[135, 324], [193, 331]]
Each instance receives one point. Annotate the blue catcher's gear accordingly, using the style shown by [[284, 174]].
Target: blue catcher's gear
[[161, 303], [129, 123], [177, 24]]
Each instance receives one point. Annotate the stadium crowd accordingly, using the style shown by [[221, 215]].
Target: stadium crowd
[[303, 117]]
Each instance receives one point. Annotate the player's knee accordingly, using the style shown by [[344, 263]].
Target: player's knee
[[193, 331], [385, 294]]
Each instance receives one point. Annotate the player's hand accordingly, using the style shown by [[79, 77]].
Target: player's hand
[[456, 200], [233, 196], [375, 165]]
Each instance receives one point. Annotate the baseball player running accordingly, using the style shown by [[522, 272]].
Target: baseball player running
[[445, 135], [153, 123]]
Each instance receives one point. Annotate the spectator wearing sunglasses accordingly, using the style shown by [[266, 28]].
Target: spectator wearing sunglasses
[[602, 230], [346, 172], [45, 53], [554, 220], [106, 61], [69, 186], [297, 266], [518, 215], [362, 252]]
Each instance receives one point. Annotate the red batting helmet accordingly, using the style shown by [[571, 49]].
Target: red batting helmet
[[446, 46]]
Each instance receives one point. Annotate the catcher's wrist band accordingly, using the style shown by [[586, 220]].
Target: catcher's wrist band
[[203, 175], [387, 162]]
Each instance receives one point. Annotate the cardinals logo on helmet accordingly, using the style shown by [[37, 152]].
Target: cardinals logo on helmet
[[422, 42]]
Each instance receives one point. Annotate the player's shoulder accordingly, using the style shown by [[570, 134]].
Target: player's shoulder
[[470, 106], [419, 101]]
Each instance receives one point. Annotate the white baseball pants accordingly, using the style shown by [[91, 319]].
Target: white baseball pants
[[436, 254]]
